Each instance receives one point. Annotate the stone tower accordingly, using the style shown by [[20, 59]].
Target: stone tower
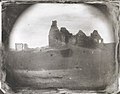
[[54, 35]]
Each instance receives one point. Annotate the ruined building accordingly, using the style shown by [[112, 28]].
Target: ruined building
[[96, 37], [80, 38], [21, 46], [54, 35], [62, 37], [94, 40], [58, 37], [65, 35]]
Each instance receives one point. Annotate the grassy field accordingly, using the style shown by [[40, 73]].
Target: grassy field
[[73, 68]]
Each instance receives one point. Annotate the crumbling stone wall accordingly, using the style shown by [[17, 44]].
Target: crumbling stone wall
[[56, 38]]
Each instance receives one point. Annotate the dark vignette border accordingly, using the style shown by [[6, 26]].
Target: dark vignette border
[[11, 10]]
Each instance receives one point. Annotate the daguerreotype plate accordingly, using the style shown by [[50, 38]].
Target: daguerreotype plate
[[60, 46]]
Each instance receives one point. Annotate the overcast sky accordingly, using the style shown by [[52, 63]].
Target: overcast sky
[[33, 26]]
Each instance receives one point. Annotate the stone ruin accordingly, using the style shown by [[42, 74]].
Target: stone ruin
[[63, 37], [21, 46]]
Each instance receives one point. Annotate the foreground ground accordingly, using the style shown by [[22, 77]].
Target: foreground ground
[[71, 68]]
